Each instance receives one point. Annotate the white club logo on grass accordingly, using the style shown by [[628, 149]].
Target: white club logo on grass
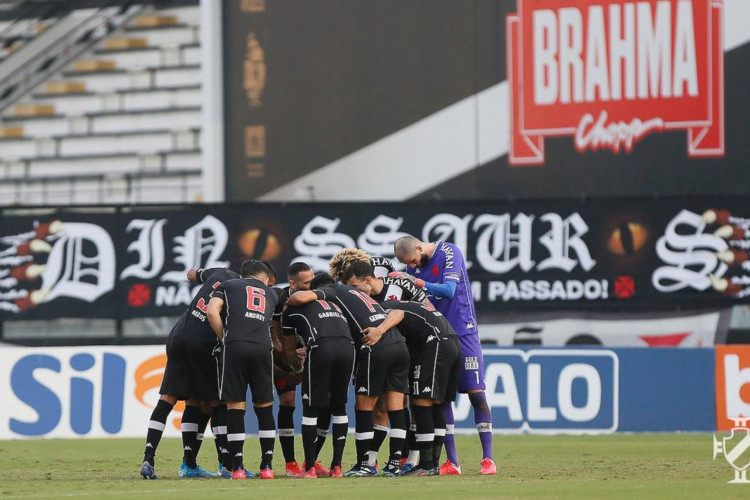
[[736, 449]]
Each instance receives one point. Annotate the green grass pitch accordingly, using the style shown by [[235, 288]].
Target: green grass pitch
[[614, 466]]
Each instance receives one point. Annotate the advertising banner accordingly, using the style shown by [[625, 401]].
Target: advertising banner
[[732, 385], [111, 391], [519, 99], [611, 330]]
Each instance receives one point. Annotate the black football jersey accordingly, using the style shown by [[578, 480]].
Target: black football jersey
[[315, 320], [193, 325], [248, 310], [381, 266], [421, 323], [283, 297], [400, 289], [361, 312]]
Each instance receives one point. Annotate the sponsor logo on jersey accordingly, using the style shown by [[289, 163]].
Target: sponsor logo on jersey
[[471, 363]]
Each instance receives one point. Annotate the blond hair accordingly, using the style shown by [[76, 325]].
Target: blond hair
[[344, 258]]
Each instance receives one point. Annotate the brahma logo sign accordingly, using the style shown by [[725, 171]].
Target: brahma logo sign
[[609, 73]]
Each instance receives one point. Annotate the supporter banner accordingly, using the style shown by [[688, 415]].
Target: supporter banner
[[105, 391], [635, 254]]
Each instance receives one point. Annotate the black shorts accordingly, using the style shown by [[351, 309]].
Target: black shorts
[[192, 372], [384, 369], [436, 369], [246, 363], [328, 369], [282, 379]]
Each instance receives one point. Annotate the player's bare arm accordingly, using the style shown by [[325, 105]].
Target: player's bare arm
[[215, 306], [192, 275], [372, 335], [302, 297]]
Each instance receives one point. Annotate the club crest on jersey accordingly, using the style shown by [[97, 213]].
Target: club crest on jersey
[[611, 73]]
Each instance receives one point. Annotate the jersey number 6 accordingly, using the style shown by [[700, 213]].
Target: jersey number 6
[[256, 299]]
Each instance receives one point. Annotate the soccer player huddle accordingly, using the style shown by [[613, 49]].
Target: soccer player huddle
[[407, 341]]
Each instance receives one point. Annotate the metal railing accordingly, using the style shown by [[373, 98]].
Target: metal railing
[[61, 51]]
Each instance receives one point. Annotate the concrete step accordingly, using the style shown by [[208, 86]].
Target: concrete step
[[139, 100]]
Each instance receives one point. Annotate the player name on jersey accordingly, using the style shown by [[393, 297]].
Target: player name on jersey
[[610, 73]]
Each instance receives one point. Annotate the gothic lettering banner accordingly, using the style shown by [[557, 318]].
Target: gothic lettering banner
[[124, 262]]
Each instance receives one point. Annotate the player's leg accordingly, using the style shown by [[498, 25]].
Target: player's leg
[[425, 436], [324, 423], [156, 425], [286, 390], [409, 441], [286, 428], [472, 382], [232, 389], [438, 418], [173, 388], [309, 434], [340, 429], [367, 394], [445, 385], [203, 389], [190, 428], [394, 404], [429, 379], [380, 430], [396, 385], [451, 466], [340, 376], [261, 388], [412, 458], [314, 396], [236, 437], [219, 429]]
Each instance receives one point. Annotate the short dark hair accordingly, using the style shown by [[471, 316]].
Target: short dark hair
[[271, 270], [360, 269], [322, 279], [295, 268], [254, 267], [405, 245]]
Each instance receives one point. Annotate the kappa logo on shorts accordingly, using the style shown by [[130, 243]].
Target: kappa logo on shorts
[[427, 389], [362, 389], [430, 338], [304, 396], [471, 363]]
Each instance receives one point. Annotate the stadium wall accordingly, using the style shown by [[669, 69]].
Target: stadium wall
[[110, 391]]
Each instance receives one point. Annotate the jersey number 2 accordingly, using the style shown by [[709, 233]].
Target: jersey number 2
[[256, 299]]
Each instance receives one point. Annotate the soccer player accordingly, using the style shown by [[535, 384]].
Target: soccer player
[[435, 360], [285, 380], [190, 375], [328, 367], [382, 367], [382, 266], [240, 313], [361, 275], [439, 268]]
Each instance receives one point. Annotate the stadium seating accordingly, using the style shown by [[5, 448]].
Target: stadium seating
[[120, 123]]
